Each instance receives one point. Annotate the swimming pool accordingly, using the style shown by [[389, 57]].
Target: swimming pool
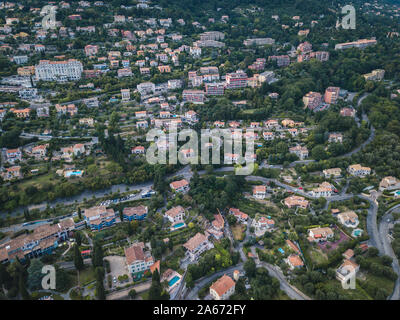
[[178, 225], [73, 173], [173, 281]]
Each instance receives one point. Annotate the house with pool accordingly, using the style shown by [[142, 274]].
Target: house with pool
[[99, 217], [173, 278], [135, 213], [348, 219], [176, 215]]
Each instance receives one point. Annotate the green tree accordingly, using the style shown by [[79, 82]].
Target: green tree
[[78, 260], [22, 289], [132, 294], [97, 255], [250, 268], [100, 291], [35, 274]]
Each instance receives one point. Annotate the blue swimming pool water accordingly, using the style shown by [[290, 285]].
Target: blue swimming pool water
[[74, 173], [173, 281], [178, 225]]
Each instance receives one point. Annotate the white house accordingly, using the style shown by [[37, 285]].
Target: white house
[[348, 219], [175, 214], [136, 259], [196, 245]]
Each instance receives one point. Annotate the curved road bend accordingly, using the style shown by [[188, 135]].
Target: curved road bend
[[388, 250]]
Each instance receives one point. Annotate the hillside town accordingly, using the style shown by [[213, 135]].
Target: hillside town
[[80, 98]]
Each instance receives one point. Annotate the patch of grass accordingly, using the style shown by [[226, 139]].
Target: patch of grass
[[238, 232], [86, 276], [145, 295], [318, 257]]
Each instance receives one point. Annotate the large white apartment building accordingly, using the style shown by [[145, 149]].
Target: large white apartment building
[[59, 70]]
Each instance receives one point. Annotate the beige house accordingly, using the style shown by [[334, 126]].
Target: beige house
[[320, 234], [296, 201], [358, 170], [389, 183], [223, 288], [348, 219], [333, 172]]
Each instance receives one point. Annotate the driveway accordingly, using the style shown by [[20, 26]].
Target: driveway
[[117, 267]]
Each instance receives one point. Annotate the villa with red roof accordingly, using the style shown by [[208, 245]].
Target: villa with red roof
[[239, 215], [223, 288], [180, 185]]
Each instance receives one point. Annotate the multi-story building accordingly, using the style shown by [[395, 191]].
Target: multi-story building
[[125, 95], [360, 44], [358, 170], [320, 55], [258, 41], [13, 155], [43, 240], [335, 137], [194, 96], [312, 100], [389, 183], [175, 214], [137, 260], [215, 89], [348, 219], [212, 35], [146, 88], [58, 70], [174, 84], [331, 95], [135, 213], [99, 217], [333, 172], [236, 80], [301, 152], [21, 113], [281, 61], [196, 245], [91, 50], [259, 192], [375, 75], [12, 173]]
